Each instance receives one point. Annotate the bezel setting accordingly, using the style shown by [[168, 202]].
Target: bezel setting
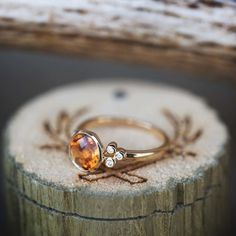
[[109, 162], [98, 143], [110, 155], [119, 155], [110, 149]]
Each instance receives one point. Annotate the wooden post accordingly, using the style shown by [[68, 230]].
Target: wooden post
[[183, 194]]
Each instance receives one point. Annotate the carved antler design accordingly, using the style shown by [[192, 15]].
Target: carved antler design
[[60, 132], [183, 136]]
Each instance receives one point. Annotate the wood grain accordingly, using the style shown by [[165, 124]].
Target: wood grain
[[193, 208], [195, 36]]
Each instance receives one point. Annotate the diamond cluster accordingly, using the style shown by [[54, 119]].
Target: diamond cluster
[[113, 154]]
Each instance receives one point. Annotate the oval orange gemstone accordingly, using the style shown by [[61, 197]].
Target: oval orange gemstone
[[85, 151]]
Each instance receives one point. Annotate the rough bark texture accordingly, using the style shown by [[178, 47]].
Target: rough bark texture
[[197, 36], [42, 205]]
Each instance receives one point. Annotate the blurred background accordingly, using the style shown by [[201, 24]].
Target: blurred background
[[25, 74]]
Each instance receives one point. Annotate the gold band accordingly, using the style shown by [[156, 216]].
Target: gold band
[[87, 151], [129, 122]]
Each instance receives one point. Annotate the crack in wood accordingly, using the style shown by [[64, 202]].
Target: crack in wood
[[177, 207]]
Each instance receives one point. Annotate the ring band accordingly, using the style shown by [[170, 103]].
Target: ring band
[[88, 153]]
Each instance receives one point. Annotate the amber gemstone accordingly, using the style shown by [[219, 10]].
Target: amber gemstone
[[85, 151]]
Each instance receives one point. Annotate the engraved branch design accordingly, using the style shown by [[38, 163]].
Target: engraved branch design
[[183, 136], [61, 130]]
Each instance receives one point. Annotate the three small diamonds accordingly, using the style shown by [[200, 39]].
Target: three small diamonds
[[114, 154]]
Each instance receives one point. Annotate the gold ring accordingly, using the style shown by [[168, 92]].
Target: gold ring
[[88, 153]]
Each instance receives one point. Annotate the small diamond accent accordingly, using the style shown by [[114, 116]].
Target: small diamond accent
[[109, 162], [110, 149], [119, 155]]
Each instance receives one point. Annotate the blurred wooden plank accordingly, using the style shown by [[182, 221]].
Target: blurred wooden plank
[[197, 36]]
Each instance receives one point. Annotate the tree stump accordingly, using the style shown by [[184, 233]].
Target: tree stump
[[182, 194]]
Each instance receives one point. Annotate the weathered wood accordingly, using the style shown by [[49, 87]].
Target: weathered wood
[[197, 36], [179, 195]]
